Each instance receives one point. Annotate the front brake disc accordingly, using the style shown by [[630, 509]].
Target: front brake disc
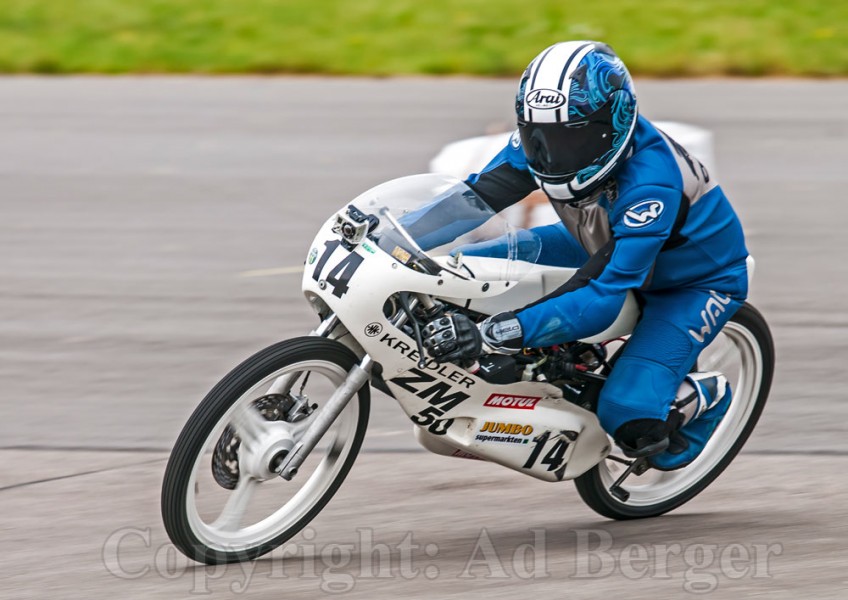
[[225, 460]]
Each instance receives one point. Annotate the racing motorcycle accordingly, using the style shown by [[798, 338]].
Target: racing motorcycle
[[268, 447]]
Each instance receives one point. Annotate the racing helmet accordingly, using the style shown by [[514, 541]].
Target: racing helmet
[[576, 110]]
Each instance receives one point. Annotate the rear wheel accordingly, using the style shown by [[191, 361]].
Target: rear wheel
[[744, 352], [222, 500]]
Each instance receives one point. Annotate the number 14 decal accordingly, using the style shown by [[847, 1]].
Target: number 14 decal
[[339, 276], [555, 458]]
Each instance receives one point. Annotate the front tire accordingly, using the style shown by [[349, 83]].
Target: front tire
[[203, 515], [744, 352]]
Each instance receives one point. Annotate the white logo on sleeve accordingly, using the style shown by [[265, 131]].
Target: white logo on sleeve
[[643, 213]]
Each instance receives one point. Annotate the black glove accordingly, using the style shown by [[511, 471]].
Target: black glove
[[453, 338]]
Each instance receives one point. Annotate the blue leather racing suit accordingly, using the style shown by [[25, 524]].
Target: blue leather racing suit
[[661, 227]]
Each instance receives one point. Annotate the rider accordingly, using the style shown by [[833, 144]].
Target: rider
[[638, 214]]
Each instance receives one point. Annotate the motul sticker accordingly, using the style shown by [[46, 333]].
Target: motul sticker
[[504, 401]]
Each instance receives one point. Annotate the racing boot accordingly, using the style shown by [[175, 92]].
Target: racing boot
[[702, 401]]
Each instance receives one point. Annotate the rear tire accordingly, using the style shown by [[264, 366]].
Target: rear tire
[[189, 464], [748, 338]]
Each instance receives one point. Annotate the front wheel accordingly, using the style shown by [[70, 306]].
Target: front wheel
[[744, 352], [222, 500]]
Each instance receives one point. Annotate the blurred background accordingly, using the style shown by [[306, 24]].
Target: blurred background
[[439, 37], [157, 201]]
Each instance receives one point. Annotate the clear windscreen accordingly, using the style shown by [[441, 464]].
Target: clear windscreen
[[440, 215]]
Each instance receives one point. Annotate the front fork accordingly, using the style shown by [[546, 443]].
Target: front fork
[[356, 378]]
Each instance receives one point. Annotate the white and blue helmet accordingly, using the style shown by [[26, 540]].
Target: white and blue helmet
[[576, 110]]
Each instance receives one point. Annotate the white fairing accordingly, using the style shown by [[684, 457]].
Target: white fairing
[[458, 412], [537, 281]]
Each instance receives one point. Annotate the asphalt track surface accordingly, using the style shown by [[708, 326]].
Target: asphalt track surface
[[150, 235]]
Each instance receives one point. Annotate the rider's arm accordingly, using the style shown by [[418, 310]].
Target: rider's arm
[[590, 301], [505, 180], [501, 183]]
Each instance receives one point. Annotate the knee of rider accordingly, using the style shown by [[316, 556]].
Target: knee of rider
[[559, 248], [632, 392]]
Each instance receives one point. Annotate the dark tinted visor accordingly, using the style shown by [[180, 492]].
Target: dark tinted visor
[[563, 149]]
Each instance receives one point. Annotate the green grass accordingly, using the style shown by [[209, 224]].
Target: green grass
[[383, 37]]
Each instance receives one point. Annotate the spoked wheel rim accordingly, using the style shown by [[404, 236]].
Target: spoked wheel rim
[[736, 353], [233, 528]]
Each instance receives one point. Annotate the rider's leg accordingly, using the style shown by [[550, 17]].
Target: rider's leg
[[675, 326], [701, 403], [559, 248]]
